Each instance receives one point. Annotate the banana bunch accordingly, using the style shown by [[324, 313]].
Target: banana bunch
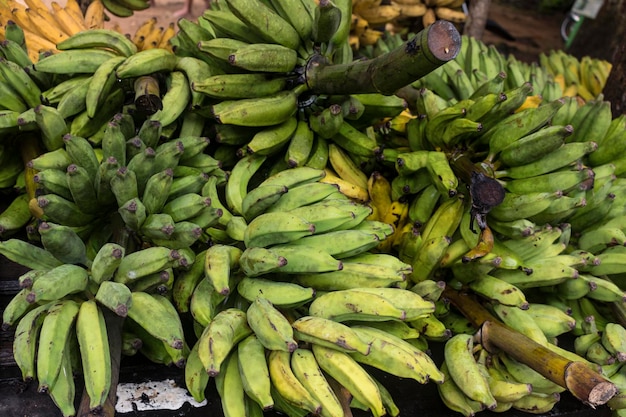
[[373, 19], [59, 313], [585, 77], [44, 26], [150, 34], [479, 68]]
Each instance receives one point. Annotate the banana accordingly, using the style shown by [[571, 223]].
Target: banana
[[99, 38], [84, 60], [238, 86], [519, 125], [464, 370], [254, 371], [535, 145], [452, 396], [237, 185], [47, 286], [356, 304], [525, 374], [264, 111], [205, 303], [144, 262], [259, 199], [307, 371], [63, 391], [153, 316], [272, 139], [260, 57], [94, 351], [146, 62], [19, 80], [63, 242], [326, 332], [345, 167], [262, 232], [612, 339], [101, 84], [603, 289], [270, 326], [355, 141], [25, 340], [430, 255], [268, 24], [53, 335], [115, 296], [331, 215], [229, 386], [352, 376], [519, 206], [498, 290], [227, 328], [344, 243], [561, 180], [175, 100], [196, 378], [406, 361], [52, 125], [561, 157], [280, 294], [15, 216], [294, 259]]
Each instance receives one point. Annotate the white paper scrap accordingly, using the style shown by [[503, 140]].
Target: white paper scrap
[[152, 395]]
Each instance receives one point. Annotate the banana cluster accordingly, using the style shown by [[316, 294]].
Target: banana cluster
[[482, 67], [319, 230], [372, 19], [477, 380], [44, 26], [584, 78]]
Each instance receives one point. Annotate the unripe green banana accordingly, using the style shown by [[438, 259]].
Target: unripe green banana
[[227, 328], [254, 371], [84, 60], [219, 263], [16, 215], [115, 296], [535, 145], [58, 282], [63, 242], [260, 57], [351, 375], [133, 213], [238, 86], [196, 378], [103, 38], [272, 139], [25, 340], [464, 369], [264, 111], [280, 294], [94, 351], [146, 62], [263, 20], [307, 371], [262, 230], [143, 262], [55, 330], [53, 181], [156, 319], [270, 326], [330, 333]]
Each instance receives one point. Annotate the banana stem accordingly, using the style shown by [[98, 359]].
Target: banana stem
[[385, 74], [587, 385]]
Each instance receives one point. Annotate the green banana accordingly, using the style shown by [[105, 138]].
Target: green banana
[[227, 328], [93, 341]]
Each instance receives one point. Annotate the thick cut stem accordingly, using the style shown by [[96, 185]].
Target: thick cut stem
[[584, 383], [385, 74]]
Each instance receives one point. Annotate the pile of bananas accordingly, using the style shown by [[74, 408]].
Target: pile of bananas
[[217, 182], [372, 18], [44, 27], [556, 75]]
